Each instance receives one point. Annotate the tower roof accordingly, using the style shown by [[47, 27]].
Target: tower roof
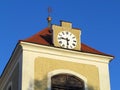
[[44, 37]]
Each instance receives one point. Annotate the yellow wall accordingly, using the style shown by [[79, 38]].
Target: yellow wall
[[45, 65]]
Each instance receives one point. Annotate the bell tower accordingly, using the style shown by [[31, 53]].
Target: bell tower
[[56, 60]]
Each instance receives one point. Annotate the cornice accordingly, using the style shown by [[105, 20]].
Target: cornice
[[49, 50]]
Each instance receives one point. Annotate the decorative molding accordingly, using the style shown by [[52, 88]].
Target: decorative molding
[[65, 53]]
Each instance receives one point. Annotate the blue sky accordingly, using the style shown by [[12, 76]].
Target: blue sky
[[99, 21]]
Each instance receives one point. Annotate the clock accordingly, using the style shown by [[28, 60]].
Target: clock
[[67, 40]]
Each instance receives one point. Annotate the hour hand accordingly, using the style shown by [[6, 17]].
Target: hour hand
[[62, 38]]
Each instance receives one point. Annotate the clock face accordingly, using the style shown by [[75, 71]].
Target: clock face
[[67, 39]]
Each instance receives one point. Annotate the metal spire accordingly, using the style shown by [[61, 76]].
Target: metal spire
[[49, 19]]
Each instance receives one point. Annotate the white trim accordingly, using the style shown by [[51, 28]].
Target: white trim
[[60, 71], [28, 70], [67, 53]]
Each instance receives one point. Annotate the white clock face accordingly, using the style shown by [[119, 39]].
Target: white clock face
[[67, 40]]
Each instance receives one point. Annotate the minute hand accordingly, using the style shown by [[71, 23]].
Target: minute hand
[[63, 38], [67, 42]]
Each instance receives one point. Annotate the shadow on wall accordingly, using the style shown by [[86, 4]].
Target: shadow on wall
[[91, 88], [38, 85], [42, 85]]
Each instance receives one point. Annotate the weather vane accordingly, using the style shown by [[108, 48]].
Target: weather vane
[[49, 18], [49, 10]]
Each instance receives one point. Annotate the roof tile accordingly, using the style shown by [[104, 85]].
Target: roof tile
[[44, 37]]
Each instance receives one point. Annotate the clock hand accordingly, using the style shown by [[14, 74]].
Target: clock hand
[[62, 38], [67, 41]]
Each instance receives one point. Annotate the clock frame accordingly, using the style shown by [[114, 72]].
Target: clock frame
[[67, 40], [66, 28]]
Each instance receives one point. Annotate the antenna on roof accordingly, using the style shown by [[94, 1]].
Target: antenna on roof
[[49, 18]]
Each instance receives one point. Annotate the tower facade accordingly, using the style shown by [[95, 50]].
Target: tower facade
[[55, 59]]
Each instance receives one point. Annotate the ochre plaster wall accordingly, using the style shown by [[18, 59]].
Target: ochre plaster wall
[[43, 66]]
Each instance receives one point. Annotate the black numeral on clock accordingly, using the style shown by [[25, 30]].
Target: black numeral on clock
[[66, 32], [73, 44], [73, 37], [63, 33], [74, 40], [63, 45], [60, 42]]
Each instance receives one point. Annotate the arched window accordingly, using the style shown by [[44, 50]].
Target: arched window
[[66, 82]]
